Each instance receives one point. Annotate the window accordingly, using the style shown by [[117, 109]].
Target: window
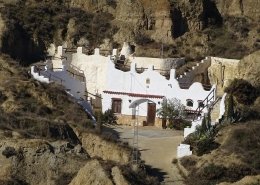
[[116, 105], [189, 103], [147, 80], [200, 103]]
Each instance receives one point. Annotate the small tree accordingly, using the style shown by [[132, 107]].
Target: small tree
[[171, 109], [109, 117]]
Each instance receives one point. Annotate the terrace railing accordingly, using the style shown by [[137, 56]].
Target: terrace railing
[[208, 102]]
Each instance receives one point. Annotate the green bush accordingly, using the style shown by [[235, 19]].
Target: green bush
[[202, 141], [107, 117], [179, 124]]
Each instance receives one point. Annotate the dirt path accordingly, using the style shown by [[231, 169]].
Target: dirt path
[[158, 148]]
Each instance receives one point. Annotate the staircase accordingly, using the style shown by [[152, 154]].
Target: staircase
[[207, 103], [185, 80]]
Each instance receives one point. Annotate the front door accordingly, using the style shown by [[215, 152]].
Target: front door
[[151, 113]]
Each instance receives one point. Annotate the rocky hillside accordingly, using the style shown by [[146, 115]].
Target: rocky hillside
[[190, 28], [46, 138], [228, 153]]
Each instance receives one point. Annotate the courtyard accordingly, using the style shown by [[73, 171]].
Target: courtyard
[[158, 148]]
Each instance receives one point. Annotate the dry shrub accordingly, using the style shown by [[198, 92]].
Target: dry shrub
[[214, 174], [188, 162], [243, 91]]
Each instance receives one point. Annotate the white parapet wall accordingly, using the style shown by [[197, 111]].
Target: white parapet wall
[[222, 106], [192, 129], [183, 150], [157, 63], [38, 77]]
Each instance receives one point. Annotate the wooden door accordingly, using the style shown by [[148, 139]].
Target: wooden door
[[151, 113]]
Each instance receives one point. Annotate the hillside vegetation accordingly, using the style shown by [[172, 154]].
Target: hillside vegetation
[[229, 151], [47, 138]]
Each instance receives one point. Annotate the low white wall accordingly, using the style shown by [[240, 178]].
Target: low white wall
[[157, 63], [95, 70], [183, 150], [39, 77], [222, 106], [75, 87], [192, 129]]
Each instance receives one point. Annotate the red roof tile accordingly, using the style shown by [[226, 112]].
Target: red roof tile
[[134, 94]]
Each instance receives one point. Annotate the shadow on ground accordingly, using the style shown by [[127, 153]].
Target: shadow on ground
[[155, 172]]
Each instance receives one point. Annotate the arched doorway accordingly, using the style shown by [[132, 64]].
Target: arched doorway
[[150, 112]]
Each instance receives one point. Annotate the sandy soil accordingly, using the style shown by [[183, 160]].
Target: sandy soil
[[158, 148]]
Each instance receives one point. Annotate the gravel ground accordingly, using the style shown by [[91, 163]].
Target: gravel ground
[[158, 147]]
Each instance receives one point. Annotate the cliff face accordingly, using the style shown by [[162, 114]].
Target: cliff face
[[248, 68], [239, 8], [194, 28]]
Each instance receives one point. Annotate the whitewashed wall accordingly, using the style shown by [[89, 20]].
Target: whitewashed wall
[[192, 129], [95, 69], [101, 75], [183, 150], [107, 103], [38, 77], [132, 82], [222, 106]]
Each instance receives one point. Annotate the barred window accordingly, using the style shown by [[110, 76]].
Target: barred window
[[189, 103], [116, 105]]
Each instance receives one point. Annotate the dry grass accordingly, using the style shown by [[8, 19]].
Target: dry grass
[[33, 108], [237, 156]]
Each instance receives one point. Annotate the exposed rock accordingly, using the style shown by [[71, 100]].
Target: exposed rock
[[221, 72], [96, 146], [118, 177], [71, 29], [51, 50], [246, 180], [34, 161], [83, 42], [247, 8], [249, 68], [2, 30], [92, 173], [106, 47]]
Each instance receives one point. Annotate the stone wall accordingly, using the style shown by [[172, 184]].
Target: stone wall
[[129, 120], [96, 146], [221, 72]]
